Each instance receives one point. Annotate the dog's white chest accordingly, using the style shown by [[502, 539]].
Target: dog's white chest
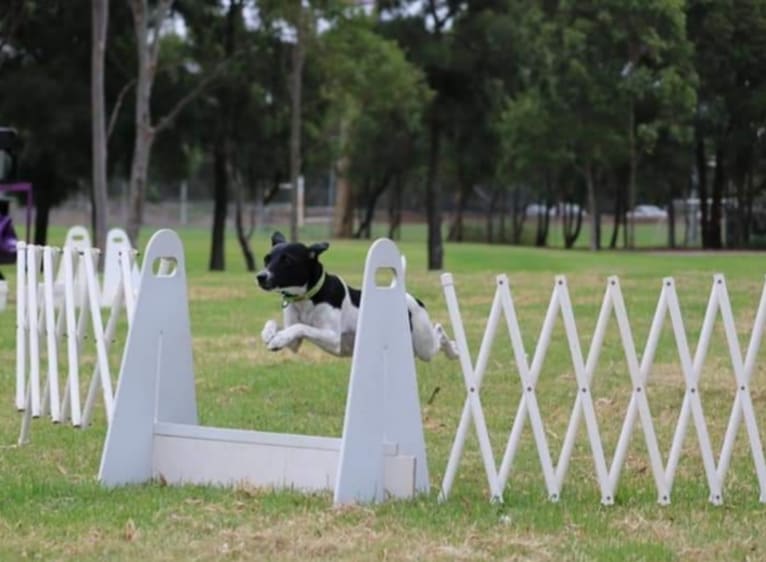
[[324, 316]]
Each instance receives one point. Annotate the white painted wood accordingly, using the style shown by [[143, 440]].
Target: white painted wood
[[154, 432], [71, 403], [33, 266], [69, 310], [78, 239], [382, 404], [691, 405], [21, 324], [102, 359], [472, 379], [743, 401], [639, 372], [52, 397], [156, 380], [117, 242]]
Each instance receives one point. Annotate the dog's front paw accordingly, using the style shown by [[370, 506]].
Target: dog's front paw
[[270, 330], [278, 341]]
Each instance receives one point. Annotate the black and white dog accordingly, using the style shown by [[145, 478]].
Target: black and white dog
[[321, 308]]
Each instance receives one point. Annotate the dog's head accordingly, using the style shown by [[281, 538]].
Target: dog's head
[[290, 268]]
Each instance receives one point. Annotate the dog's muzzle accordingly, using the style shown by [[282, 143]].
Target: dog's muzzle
[[263, 279]]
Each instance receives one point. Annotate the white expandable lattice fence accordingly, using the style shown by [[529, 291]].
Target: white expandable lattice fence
[[639, 371], [59, 305]]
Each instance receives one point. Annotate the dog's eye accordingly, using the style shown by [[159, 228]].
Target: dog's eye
[[286, 259]]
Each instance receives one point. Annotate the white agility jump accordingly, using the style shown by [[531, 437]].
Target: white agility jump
[[154, 431], [59, 296], [639, 372]]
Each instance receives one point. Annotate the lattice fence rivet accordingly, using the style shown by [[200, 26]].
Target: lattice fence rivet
[[742, 387], [692, 390], [472, 389], [667, 283], [529, 389], [638, 389], [584, 390]]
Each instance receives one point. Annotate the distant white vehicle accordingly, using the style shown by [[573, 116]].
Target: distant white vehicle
[[648, 212], [535, 210]]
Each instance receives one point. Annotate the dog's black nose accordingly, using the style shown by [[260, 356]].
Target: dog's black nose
[[263, 279]]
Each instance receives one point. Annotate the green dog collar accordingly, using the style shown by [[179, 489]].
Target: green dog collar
[[287, 299]]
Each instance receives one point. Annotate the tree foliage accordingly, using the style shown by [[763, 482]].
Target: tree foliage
[[477, 110]]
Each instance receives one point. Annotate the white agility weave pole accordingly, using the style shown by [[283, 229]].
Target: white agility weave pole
[[639, 372], [154, 431]]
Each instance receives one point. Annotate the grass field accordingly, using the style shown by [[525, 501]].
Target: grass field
[[51, 507]]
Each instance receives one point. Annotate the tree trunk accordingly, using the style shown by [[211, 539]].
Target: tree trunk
[[671, 220], [543, 224], [138, 174], [572, 224], [365, 225], [433, 199], [491, 205], [42, 217], [147, 52], [220, 203], [748, 203], [223, 152], [456, 230], [296, 86], [543, 221], [592, 207], [715, 239], [630, 221], [343, 216], [741, 172], [243, 237], [503, 196], [519, 216], [702, 187], [99, 202], [144, 133], [395, 209], [618, 214]]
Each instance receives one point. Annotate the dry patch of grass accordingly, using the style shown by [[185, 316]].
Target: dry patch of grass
[[217, 292]]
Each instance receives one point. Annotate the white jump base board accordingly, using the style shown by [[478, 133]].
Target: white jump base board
[[189, 454]]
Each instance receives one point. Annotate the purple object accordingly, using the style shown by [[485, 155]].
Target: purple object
[[17, 187], [8, 240]]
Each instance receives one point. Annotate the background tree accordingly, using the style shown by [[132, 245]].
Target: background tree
[[46, 58], [149, 21], [100, 206], [375, 99]]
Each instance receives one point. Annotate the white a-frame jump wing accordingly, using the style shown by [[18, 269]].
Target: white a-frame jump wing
[[159, 342], [382, 405]]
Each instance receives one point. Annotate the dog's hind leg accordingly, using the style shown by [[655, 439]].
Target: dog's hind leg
[[448, 346], [429, 339]]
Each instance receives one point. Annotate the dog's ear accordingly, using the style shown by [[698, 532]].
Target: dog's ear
[[318, 248], [277, 238]]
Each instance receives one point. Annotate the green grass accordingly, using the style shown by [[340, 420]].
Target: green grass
[[51, 507]]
